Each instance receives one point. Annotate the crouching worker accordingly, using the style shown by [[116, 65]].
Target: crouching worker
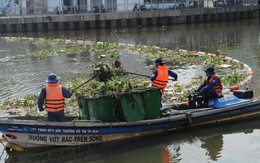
[[53, 96], [211, 87], [160, 76]]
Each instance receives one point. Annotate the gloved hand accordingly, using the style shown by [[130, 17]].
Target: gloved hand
[[72, 91], [148, 76], [41, 109]]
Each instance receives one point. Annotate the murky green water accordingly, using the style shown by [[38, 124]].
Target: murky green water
[[239, 142]]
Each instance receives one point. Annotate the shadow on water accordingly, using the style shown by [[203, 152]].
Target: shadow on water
[[158, 148]]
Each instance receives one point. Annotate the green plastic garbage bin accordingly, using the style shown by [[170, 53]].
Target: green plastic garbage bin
[[132, 106], [151, 97], [101, 108], [84, 109]]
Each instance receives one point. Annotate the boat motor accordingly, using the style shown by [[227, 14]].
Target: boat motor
[[196, 101]]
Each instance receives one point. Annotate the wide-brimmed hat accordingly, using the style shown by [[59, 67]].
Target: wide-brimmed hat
[[52, 78], [210, 70], [158, 61]]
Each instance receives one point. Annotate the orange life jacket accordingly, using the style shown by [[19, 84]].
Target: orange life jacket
[[162, 77], [217, 88], [54, 101]]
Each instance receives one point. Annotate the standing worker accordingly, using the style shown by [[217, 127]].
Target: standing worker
[[160, 76], [53, 95], [212, 85]]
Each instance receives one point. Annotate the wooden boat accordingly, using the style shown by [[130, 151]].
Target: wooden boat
[[30, 132], [92, 153]]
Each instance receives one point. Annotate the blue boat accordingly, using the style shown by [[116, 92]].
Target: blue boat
[[31, 132]]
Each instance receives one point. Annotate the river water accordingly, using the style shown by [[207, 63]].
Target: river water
[[236, 142]]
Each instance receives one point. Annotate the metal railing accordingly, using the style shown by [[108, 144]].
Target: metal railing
[[58, 7]]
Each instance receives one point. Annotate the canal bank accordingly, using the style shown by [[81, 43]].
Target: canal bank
[[125, 19]]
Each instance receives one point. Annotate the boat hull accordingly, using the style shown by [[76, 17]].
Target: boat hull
[[25, 140], [74, 133], [34, 133]]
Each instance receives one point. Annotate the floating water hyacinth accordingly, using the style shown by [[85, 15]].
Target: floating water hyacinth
[[103, 72], [111, 81]]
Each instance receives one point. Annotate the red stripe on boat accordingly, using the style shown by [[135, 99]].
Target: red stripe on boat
[[11, 136]]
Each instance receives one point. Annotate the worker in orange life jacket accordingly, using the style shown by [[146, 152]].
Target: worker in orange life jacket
[[53, 95], [160, 76], [212, 85]]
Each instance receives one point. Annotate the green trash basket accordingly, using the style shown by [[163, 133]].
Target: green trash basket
[[151, 97], [101, 108], [84, 109], [132, 106]]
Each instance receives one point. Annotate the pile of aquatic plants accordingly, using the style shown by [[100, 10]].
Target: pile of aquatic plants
[[17, 39], [179, 57], [103, 72], [46, 41], [116, 85], [112, 51], [55, 52], [20, 106], [37, 41], [108, 50], [64, 47], [233, 79], [27, 106]]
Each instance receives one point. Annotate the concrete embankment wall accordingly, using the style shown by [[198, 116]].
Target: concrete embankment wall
[[125, 19]]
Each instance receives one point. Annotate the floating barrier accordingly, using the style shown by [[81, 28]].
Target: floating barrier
[[234, 88]]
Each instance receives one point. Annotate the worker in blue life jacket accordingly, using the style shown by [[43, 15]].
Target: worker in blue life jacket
[[212, 85], [53, 96], [160, 76]]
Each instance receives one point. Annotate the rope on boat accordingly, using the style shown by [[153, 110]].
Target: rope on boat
[[3, 143], [2, 154], [13, 146], [1, 140], [10, 145]]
